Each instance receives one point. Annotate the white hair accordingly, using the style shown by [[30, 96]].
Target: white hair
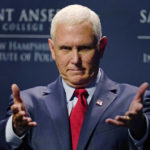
[[76, 14]]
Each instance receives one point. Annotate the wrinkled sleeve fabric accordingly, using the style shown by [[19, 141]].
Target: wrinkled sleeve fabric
[[139, 143], [11, 138]]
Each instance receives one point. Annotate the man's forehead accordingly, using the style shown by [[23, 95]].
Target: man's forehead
[[85, 24], [75, 29]]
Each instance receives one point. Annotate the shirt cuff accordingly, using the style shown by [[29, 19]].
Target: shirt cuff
[[139, 143], [11, 138]]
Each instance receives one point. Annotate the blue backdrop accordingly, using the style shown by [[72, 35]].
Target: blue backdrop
[[24, 52]]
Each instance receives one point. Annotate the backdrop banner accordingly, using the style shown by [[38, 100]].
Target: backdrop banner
[[25, 58]]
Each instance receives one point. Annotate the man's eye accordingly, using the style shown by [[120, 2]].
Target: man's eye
[[65, 48], [84, 48]]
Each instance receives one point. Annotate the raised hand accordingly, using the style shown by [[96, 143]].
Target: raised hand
[[134, 118], [21, 121]]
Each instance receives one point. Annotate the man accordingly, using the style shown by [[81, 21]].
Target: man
[[83, 109]]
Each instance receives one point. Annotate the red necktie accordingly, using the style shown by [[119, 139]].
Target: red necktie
[[77, 116]]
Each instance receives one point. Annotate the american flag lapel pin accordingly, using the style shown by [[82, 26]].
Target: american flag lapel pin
[[99, 102]]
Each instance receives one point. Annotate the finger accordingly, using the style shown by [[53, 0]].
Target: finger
[[114, 122], [32, 124], [16, 93], [130, 113], [18, 107], [15, 109], [29, 121], [141, 91], [136, 110], [134, 116], [124, 119], [19, 116]]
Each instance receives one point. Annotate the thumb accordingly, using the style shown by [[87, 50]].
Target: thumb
[[16, 93], [141, 91]]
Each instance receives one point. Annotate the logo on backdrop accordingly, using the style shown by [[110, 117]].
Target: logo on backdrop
[[144, 16], [24, 34], [145, 21]]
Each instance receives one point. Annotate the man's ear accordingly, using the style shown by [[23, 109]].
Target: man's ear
[[102, 45], [51, 47]]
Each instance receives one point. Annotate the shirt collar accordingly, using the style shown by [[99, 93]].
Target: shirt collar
[[68, 90], [90, 88]]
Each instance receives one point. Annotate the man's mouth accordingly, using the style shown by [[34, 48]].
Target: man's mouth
[[76, 70]]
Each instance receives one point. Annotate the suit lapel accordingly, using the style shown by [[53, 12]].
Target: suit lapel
[[56, 104], [106, 92]]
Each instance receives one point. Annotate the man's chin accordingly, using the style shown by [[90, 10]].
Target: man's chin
[[78, 83]]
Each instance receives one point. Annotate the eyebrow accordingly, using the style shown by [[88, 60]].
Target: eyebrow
[[65, 47], [82, 46]]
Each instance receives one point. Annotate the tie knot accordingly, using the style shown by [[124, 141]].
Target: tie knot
[[80, 92]]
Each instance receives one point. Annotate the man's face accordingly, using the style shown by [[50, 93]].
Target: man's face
[[76, 53]]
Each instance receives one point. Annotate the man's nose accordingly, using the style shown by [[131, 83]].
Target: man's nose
[[75, 57]]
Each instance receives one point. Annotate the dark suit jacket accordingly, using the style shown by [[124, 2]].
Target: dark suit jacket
[[47, 106]]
